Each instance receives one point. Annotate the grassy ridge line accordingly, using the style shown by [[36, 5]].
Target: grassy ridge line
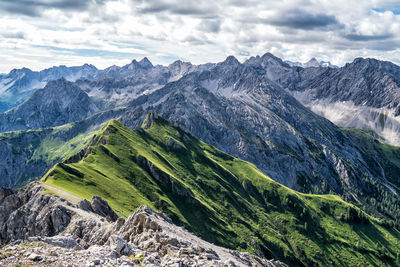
[[224, 200]]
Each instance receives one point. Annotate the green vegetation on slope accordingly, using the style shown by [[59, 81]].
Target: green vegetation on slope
[[388, 159], [224, 200], [35, 151]]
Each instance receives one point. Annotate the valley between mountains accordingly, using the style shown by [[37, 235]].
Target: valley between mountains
[[251, 157]]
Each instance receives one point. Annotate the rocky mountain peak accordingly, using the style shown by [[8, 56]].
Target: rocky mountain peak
[[145, 63], [59, 102], [62, 87], [369, 66], [231, 60], [313, 62], [15, 72], [89, 67], [180, 68], [267, 61], [364, 61], [269, 56], [142, 64], [179, 64]]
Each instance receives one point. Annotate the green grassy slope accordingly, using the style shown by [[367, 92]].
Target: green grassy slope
[[224, 200], [35, 151], [388, 159]]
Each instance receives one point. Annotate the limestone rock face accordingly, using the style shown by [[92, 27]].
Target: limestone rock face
[[5, 192], [102, 208], [29, 212], [55, 230]]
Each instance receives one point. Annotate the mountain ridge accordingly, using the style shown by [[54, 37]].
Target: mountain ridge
[[180, 166], [362, 94]]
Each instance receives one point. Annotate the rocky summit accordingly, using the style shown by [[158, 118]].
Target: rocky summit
[[39, 229]]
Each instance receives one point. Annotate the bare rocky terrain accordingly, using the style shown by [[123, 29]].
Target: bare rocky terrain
[[40, 229]]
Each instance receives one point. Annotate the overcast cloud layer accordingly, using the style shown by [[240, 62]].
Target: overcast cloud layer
[[42, 33]]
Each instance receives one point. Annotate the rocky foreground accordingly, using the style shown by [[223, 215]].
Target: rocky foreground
[[40, 229]]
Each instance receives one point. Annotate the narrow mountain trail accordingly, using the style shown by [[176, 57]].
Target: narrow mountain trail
[[62, 193]]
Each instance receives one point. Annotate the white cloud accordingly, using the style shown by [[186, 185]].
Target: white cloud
[[106, 32]]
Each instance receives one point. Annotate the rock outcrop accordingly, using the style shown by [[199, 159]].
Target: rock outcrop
[[100, 207], [43, 229], [29, 212]]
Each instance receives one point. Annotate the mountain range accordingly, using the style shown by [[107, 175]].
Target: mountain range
[[20, 84], [313, 128], [245, 109]]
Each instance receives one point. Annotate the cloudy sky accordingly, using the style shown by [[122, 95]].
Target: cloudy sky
[[42, 33]]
